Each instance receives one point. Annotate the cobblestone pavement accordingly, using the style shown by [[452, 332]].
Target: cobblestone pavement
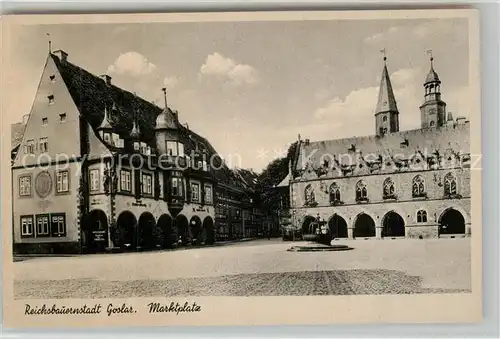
[[258, 268]]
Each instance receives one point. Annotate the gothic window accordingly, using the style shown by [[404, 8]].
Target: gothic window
[[432, 124], [388, 188], [421, 216], [309, 195], [384, 119], [418, 187], [361, 192], [450, 184], [334, 193]]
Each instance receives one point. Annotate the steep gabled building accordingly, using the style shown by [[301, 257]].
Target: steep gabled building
[[99, 168]]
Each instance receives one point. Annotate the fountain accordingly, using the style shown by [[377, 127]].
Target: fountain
[[318, 238]]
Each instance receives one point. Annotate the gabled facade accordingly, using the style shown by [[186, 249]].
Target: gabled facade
[[395, 183], [99, 168]]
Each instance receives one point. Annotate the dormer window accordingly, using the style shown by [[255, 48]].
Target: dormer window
[[137, 146], [175, 148], [62, 117], [107, 137], [51, 99], [52, 78], [45, 121]]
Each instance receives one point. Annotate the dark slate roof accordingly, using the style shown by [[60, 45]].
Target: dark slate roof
[[403, 145], [432, 76], [91, 95]]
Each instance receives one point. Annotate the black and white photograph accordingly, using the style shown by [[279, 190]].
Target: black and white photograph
[[175, 160]]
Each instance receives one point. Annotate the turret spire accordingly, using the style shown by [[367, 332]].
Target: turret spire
[[164, 89], [134, 133], [105, 124], [386, 112], [433, 110]]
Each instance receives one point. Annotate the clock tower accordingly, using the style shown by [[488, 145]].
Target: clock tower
[[433, 110]]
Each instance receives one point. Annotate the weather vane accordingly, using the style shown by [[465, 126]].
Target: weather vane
[[383, 51], [50, 43], [429, 53]]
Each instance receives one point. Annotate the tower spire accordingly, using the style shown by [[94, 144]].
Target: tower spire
[[386, 112], [386, 100]]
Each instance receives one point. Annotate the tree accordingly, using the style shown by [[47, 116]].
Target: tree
[[276, 171]]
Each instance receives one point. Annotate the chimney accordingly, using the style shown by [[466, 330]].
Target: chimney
[[176, 115], [106, 78], [62, 55]]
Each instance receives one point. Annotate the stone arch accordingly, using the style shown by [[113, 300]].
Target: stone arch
[[195, 229], [393, 225], [306, 224], [452, 221], [364, 226], [95, 231], [337, 226], [164, 234], [126, 227], [146, 224], [182, 229], [208, 230]]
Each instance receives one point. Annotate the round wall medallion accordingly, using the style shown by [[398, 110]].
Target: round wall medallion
[[43, 184]]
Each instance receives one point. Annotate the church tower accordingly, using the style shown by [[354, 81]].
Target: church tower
[[386, 113], [433, 110]]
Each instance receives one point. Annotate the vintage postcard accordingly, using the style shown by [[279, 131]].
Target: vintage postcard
[[241, 168]]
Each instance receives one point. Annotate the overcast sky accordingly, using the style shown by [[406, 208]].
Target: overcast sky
[[252, 87]]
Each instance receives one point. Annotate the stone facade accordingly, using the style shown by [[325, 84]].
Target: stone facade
[[413, 183]]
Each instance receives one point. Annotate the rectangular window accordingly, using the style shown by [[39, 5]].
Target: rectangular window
[[30, 147], [58, 224], [94, 180], [62, 181], [27, 226], [45, 121], [125, 183], [172, 148], [51, 99], [62, 117], [208, 194], [195, 192], [25, 185], [181, 149], [42, 225], [177, 187], [44, 145], [147, 184]]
